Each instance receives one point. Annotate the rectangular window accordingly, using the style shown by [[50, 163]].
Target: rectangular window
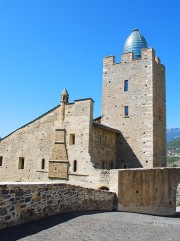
[[75, 166], [126, 85], [126, 111], [1, 161], [72, 139], [21, 163], [43, 164]]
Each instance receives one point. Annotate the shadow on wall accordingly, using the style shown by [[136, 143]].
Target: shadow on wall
[[126, 156]]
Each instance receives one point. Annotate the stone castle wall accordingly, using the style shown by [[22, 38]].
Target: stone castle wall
[[21, 203], [159, 116], [104, 148], [151, 191], [138, 138], [78, 118], [43, 140], [32, 142]]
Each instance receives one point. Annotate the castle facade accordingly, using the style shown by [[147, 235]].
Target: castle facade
[[68, 144]]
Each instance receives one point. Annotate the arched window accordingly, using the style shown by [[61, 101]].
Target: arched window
[[104, 188], [75, 166], [43, 163]]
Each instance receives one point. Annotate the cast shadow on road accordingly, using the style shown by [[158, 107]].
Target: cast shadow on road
[[27, 229]]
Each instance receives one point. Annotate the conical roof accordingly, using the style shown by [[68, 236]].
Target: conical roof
[[134, 43], [64, 92]]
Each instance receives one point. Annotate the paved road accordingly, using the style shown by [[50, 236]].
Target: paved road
[[97, 226]]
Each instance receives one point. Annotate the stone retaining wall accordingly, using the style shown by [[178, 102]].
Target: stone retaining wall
[[21, 203], [151, 191]]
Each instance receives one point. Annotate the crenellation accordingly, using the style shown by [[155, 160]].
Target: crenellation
[[148, 54], [127, 57], [109, 60], [157, 59]]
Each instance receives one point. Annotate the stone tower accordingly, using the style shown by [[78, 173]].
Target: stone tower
[[134, 103]]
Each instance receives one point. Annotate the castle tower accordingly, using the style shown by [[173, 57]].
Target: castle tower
[[134, 103]]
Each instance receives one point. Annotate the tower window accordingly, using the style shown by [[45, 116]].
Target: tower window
[[43, 163], [75, 166], [1, 161], [126, 85], [72, 139], [126, 111], [21, 163]]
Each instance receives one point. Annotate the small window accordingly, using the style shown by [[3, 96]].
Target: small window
[[126, 85], [1, 161], [21, 163], [102, 165], [43, 164], [100, 138], [75, 166], [72, 139], [126, 110], [104, 188]]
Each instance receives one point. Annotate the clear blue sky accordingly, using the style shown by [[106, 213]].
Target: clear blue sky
[[46, 45]]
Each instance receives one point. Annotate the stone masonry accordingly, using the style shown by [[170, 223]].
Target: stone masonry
[[21, 203], [151, 191], [142, 139], [94, 147]]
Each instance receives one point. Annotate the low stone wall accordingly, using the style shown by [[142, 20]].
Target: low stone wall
[[21, 203]]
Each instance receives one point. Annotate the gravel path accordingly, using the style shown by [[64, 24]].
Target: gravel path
[[97, 226]]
